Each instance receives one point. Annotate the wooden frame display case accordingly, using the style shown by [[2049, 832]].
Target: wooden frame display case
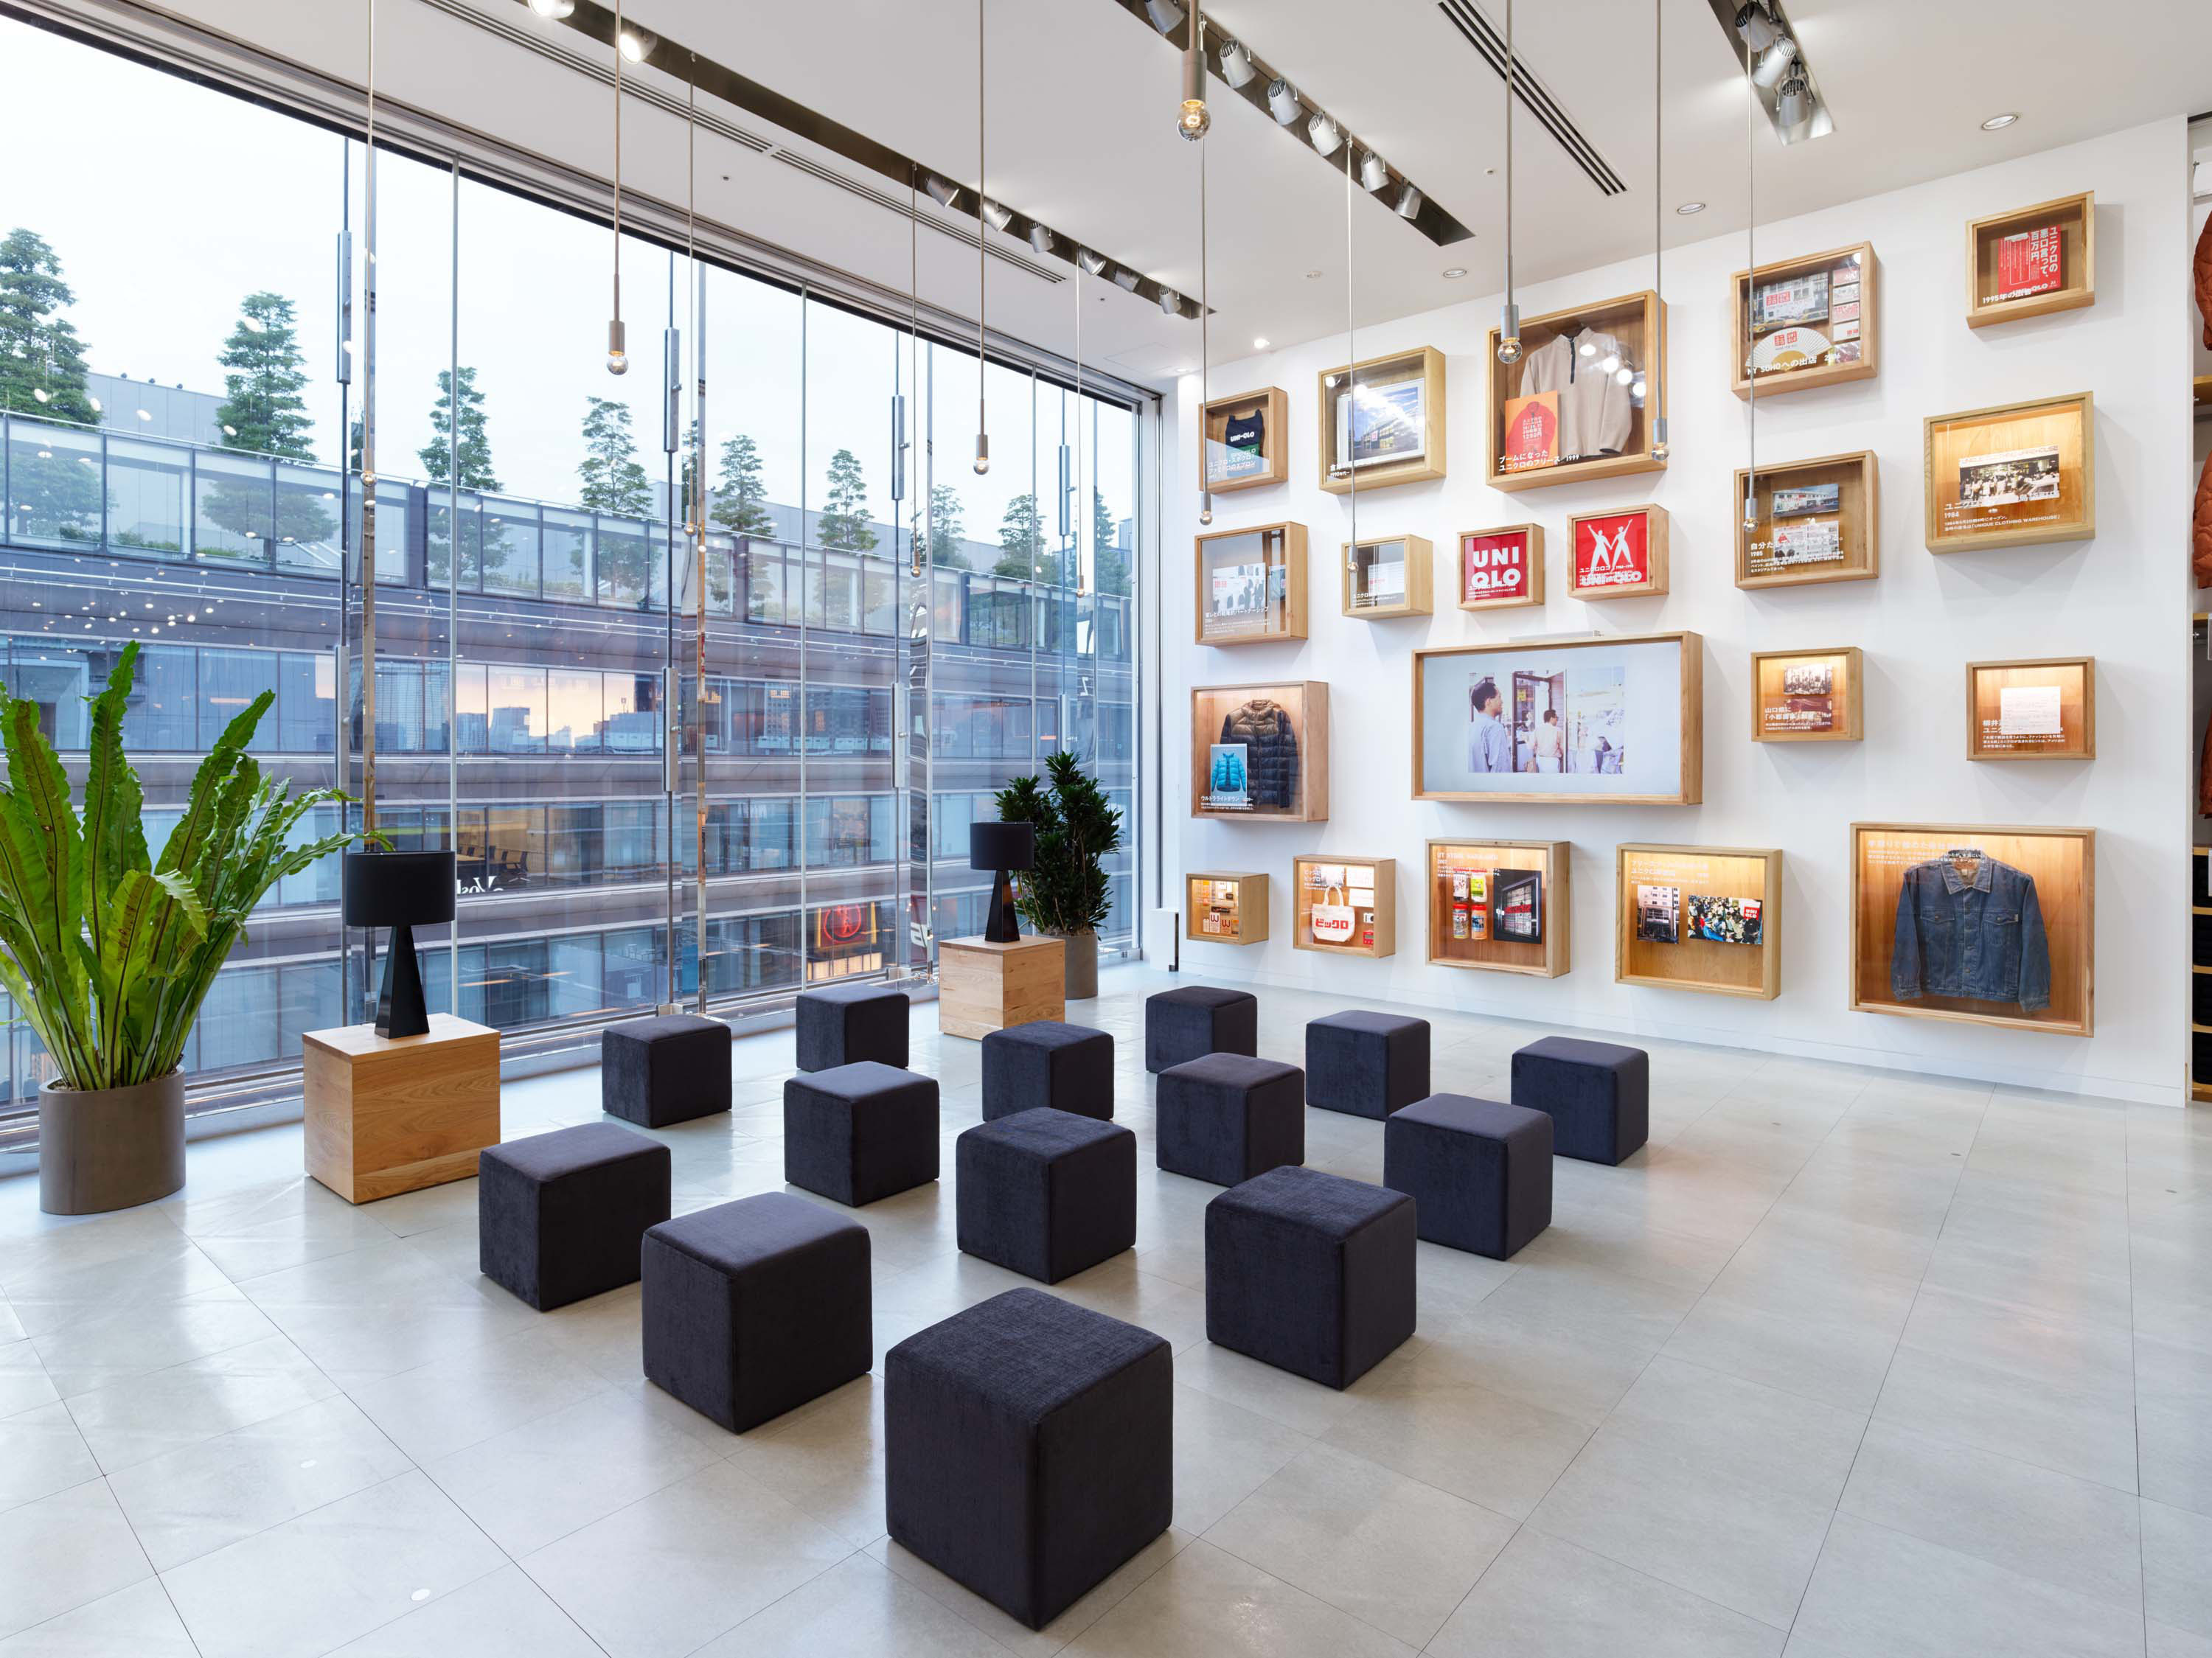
[[1499, 906], [1785, 318], [1390, 575], [1226, 908], [1248, 586], [1707, 919], [1806, 696], [1260, 751], [1915, 886], [1628, 710], [2032, 262], [1393, 430], [1827, 527], [2041, 709], [1502, 568], [1244, 443], [1618, 554], [2011, 475], [1539, 437], [1365, 911]]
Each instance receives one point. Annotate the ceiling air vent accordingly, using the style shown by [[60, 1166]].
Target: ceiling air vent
[[1489, 43]]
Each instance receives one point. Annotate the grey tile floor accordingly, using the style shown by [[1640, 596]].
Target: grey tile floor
[[1847, 1363]]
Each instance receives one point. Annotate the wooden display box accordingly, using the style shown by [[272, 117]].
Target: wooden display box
[[2012, 476], [1638, 322], [1788, 706], [2061, 862], [1856, 519], [1831, 362], [2068, 684], [1502, 568], [2072, 220], [1517, 922], [1617, 554], [1410, 591], [1674, 906], [1282, 728], [1249, 586], [1368, 887], [983, 987], [1402, 396], [390, 1115], [1224, 471], [1226, 908]]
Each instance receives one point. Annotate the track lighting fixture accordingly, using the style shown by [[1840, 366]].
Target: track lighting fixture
[[942, 192], [1774, 63], [1793, 106], [1125, 279], [1166, 15], [1040, 240], [1324, 133], [637, 44], [555, 10], [1756, 25], [1000, 214], [1171, 302], [1409, 202], [1094, 264], [1283, 100], [1374, 172], [1236, 64]]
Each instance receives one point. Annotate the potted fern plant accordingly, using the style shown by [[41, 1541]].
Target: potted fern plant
[[1064, 893], [109, 952]]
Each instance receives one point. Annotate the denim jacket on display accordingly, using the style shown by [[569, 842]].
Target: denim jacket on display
[[1982, 938]]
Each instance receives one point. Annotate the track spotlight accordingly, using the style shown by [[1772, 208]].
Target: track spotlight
[[942, 192], [1325, 133], [1756, 25], [1000, 214], [1794, 107], [1125, 279], [1094, 264], [637, 44], [1171, 302], [1040, 239], [1409, 202], [555, 10], [1774, 63], [1236, 64], [1165, 15], [1283, 100], [1374, 172]]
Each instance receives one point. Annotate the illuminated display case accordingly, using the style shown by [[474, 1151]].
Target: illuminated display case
[[2044, 709], [1502, 568], [1806, 696], [1226, 908], [1816, 521], [1344, 905], [1808, 322], [1382, 421], [1391, 575], [1564, 412], [1707, 919], [1249, 586], [1499, 906], [1244, 443], [2032, 262], [1260, 751], [2012, 476]]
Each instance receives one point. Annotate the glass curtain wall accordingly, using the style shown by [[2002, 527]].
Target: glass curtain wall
[[180, 465]]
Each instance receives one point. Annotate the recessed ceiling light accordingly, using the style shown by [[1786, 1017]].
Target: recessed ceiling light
[[1998, 122], [1454, 272], [1259, 342], [1688, 208]]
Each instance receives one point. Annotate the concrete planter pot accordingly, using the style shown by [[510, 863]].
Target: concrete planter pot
[[1082, 963], [110, 1148]]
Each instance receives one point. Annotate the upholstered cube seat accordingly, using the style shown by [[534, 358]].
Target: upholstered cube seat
[[1598, 1095], [1069, 1067], [560, 1215], [1479, 1173], [1046, 1193], [1367, 1065], [667, 1069], [1194, 1020], [1226, 1117], [845, 1024], [859, 1133]]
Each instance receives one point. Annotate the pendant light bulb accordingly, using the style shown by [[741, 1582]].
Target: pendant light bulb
[[1193, 119], [982, 453], [1205, 507], [1659, 447], [1509, 336], [617, 356]]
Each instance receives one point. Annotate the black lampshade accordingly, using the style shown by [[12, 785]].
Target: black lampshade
[[397, 889], [1001, 846]]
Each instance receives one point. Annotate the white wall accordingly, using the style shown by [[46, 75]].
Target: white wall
[[2122, 597]]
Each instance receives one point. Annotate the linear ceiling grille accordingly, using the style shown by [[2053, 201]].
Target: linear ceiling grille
[[1489, 43]]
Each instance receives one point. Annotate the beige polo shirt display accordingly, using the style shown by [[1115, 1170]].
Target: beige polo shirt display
[[1595, 413]]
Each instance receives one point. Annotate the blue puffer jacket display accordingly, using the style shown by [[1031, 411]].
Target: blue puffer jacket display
[[1982, 938], [1271, 752]]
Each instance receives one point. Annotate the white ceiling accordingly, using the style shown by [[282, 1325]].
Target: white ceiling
[[1082, 100]]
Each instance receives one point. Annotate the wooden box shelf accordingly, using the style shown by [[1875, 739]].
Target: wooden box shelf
[[387, 1114], [1398, 436], [1820, 358], [1499, 906], [1706, 919], [2012, 476], [1368, 887], [1616, 424], [2064, 685], [2072, 220], [1806, 696], [1502, 568], [1260, 751], [1225, 907], [1855, 518], [1620, 553], [983, 987], [1224, 468], [1388, 576], [1249, 586]]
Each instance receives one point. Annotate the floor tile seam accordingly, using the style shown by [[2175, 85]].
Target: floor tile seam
[[604, 1388], [142, 1376], [2135, 1391], [504, 1564], [139, 1376], [1205, 1537], [240, 1283], [1532, 1524], [719, 1460]]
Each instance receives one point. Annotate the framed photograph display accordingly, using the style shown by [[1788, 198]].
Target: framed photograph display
[[1699, 918], [1817, 522], [2012, 476], [2032, 262], [1243, 442], [1226, 908], [1620, 554], [1499, 906], [1345, 906], [1260, 751], [1382, 421], [2025, 897], [1580, 403], [1806, 696], [1500, 569], [1617, 720], [1251, 585], [1806, 322], [1393, 575], [2036, 710]]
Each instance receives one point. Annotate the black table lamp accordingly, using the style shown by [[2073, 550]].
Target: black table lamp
[[1000, 847], [398, 889]]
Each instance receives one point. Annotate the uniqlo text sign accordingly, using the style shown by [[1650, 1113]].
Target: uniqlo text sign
[[1501, 567], [1615, 554]]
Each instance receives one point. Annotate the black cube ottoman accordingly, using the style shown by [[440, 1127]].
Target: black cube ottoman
[[753, 1308], [559, 1216], [1598, 1095], [1226, 1117], [1045, 1192], [667, 1069], [1194, 1020], [1367, 1065], [859, 1131], [1479, 1173], [844, 1024], [1029, 1448], [1069, 1067], [1311, 1272]]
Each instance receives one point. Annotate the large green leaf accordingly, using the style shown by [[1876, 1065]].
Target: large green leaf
[[114, 832]]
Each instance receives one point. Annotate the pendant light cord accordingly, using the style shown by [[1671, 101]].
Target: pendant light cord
[[618, 89], [1352, 368], [1509, 157], [1751, 295], [1205, 321], [982, 230]]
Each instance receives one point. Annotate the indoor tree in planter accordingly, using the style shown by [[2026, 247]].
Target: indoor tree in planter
[[109, 952], [1063, 892]]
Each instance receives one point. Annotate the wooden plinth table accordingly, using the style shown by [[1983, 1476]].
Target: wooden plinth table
[[982, 986], [391, 1114]]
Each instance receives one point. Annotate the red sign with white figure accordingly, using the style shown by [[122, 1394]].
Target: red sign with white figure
[[1612, 549], [1494, 567]]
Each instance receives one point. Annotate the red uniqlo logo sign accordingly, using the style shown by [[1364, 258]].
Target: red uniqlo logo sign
[[1494, 567], [1612, 551], [2029, 263]]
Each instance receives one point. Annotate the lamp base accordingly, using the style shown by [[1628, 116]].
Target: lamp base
[[400, 1009], [1002, 926]]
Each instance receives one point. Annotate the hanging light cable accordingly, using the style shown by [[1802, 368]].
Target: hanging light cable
[[1509, 322], [617, 356], [1205, 336], [1751, 287], [982, 229], [1350, 372], [1191, 119], [1654, 370]]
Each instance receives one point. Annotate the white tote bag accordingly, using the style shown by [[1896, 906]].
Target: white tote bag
[[1332, 921]]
